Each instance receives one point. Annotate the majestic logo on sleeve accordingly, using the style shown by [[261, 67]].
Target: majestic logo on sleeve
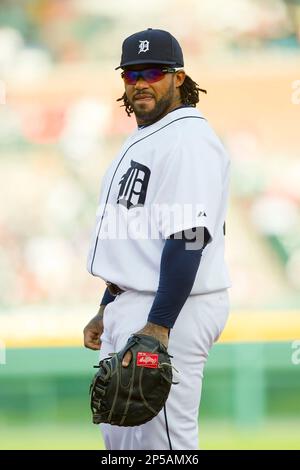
[[201, 214], [143, 46], [133, 185]]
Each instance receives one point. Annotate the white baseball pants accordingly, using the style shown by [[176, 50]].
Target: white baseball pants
[[198, 326]]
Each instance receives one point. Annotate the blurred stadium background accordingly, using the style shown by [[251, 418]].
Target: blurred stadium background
[[60, 126]]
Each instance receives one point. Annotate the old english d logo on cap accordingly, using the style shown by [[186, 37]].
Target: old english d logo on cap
[[143, 46], [152, 46]]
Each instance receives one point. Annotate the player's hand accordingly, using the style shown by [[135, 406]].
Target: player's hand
[[151, 329], [93, 331]]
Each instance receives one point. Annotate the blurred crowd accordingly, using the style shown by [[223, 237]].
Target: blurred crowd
[[35, 34], [60, 126]]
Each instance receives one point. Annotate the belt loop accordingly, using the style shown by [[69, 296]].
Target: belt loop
[[113, 288]]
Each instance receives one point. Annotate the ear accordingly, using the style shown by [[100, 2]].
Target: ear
[[179, 78]]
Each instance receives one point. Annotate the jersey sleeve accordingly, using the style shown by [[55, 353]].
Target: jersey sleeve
[[190, 188]]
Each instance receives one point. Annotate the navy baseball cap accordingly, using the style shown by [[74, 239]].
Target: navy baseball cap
[[152, 46]]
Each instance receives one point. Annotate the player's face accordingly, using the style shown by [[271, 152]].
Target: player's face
[[150, 101]]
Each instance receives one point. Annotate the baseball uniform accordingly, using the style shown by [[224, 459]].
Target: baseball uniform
[[169, 177]]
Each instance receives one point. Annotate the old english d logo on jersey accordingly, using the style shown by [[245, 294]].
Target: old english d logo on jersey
[[133, 185]]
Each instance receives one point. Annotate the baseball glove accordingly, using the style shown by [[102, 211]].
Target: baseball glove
[[133, 395]]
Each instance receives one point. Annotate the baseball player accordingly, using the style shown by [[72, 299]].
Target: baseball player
[[159, 237]]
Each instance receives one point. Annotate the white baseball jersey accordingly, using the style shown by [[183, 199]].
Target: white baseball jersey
[[170, 176]]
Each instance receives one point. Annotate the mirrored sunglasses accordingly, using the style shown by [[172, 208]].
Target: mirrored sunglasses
[[152, 75]]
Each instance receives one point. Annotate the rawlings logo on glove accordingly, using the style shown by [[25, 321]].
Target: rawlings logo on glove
[[146, 359], [133, 395]]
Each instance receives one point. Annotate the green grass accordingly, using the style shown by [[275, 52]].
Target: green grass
[[213, 435], [273, 435], [44, 437]]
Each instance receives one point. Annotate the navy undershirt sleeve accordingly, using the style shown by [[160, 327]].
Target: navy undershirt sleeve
[[178, 269], [107, 297]]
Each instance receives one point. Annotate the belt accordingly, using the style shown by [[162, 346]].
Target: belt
[[114, 289]]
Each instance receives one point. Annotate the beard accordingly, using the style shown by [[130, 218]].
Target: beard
[[160, 109]]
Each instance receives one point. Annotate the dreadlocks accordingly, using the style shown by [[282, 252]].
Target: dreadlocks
[[189, 93]]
